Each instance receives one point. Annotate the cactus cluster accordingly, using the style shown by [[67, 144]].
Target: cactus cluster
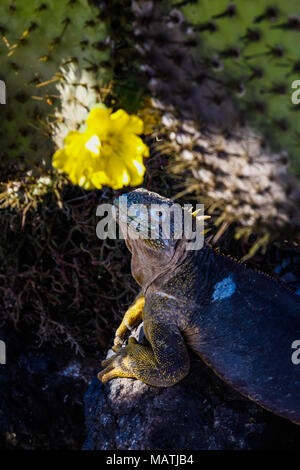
[[44, 44], [220, 155]]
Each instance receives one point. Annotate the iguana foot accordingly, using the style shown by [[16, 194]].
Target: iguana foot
[[161, 364], [121, 364], [132, 317]]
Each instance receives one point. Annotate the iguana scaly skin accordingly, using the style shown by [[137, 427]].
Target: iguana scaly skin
[[240, 322]]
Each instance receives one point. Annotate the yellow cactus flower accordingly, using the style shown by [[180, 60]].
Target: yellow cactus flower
[[108, 153]]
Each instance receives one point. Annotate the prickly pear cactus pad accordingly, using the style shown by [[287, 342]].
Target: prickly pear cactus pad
[[253, 47], [225, 152], [48, 49]]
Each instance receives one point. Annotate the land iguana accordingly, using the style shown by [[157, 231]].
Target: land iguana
[[240, 322]]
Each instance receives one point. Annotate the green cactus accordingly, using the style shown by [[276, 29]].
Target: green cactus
[[227, 148], [256, 46], [52, 54]]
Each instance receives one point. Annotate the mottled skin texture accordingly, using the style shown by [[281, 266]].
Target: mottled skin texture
[[240, 322]]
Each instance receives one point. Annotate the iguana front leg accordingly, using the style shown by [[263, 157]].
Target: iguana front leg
[[132, 317], [162, 364]]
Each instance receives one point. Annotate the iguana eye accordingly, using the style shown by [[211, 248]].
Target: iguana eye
[[158, 216]]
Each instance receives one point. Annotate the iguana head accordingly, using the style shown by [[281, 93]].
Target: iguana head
[[150, 232]]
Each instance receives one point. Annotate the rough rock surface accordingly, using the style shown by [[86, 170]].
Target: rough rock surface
[[200, 412], [41, 395]]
